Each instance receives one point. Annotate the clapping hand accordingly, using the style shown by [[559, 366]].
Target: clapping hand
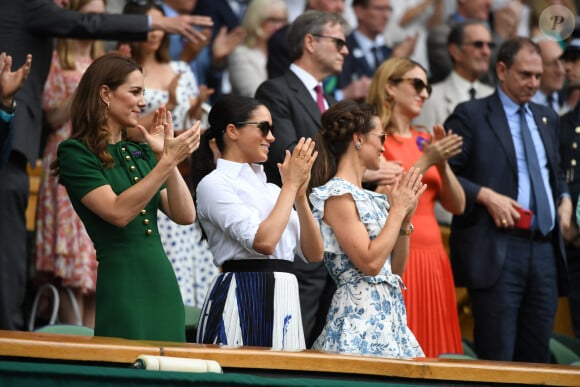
[[12, 81], [442, 145], [406, 190], [296, 167], [162, 142]]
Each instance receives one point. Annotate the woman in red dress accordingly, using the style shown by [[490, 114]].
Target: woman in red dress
[[398, 90]]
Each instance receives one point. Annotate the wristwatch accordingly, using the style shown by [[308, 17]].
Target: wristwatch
[[408, 231]]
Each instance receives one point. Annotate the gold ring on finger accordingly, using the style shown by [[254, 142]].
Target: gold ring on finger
[[446, 151], [504, 221]]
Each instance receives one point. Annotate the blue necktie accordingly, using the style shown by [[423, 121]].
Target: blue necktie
[[540, 203]]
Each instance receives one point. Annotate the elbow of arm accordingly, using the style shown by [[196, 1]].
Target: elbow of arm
[[264, 248], [371, 268], [458, 208], [119, 221], [315, 257], [372, 271], [185, 219]]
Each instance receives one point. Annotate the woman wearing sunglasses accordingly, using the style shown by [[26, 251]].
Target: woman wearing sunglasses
[[252, 229], [398, 90]]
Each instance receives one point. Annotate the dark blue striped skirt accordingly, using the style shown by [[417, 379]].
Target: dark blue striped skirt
[[256, 308]]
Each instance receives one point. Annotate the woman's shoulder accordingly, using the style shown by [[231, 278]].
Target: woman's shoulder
[[180, 66], [338, 187], [73, 145]]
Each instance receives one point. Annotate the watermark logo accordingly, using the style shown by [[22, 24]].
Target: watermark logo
[[557, 22]]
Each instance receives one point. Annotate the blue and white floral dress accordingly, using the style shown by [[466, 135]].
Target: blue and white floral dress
[[367, 315]]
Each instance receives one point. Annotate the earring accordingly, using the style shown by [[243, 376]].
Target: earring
[[358, 145]]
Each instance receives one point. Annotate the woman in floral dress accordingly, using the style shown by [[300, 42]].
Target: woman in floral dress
[[366, 237]]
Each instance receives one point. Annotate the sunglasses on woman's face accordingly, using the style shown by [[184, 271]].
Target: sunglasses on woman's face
[[264, 126], [417, 84]]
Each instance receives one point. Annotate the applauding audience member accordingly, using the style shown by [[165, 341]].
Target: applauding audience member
[[116, 187]]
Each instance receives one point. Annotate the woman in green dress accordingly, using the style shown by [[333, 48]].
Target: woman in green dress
[[116, 187]]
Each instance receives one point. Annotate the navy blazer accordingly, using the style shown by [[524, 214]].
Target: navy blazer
[[488, 159], [295, 114], [30, 27], [355, 63]]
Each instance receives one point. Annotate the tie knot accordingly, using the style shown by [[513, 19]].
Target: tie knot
[[522, 111], [472, 92]]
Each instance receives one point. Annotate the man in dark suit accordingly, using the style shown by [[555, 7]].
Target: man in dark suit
[[317, 48], [513, 264], [279, 55], [29, 27], [278, 52]]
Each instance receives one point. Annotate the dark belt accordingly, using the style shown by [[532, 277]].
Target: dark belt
[[258, 265], [532, 235]]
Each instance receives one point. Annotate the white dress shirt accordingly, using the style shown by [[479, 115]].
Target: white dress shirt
[[232, 201]]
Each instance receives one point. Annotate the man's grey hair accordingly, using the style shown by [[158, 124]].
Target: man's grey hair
[[310, 22]]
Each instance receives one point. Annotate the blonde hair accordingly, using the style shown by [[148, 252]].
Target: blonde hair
[[257, 12], [392, 70], [63, 46]]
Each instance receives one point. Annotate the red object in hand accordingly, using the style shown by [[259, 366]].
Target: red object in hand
[[525, 221]]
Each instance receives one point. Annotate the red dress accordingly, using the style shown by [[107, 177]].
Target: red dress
[[430, 294]]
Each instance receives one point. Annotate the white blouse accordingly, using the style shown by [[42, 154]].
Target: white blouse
[[232, 201]]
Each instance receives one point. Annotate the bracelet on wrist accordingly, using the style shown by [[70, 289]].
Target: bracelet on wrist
[[407, 231]]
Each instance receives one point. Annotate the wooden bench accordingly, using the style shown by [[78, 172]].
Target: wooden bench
[[254, 360]]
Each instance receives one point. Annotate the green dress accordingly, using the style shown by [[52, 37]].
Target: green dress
[[137, 294]]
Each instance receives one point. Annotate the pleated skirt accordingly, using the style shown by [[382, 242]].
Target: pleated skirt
[[430, 301], [253, 309]]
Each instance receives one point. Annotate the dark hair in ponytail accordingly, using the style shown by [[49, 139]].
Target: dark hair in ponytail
[[227, 110]]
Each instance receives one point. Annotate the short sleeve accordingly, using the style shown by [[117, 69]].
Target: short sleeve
[[80, 170]]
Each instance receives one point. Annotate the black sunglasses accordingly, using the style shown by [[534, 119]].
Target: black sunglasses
[[417, 84], [480, 43], [340, 44], [382, 136], [264, 126]]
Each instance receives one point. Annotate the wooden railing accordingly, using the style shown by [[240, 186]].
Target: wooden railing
[[27, 345]]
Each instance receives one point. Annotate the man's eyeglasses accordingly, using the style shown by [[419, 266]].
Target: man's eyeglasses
[[382, 136], [264, 126], [479, 44], [417, 84], [340, 44]]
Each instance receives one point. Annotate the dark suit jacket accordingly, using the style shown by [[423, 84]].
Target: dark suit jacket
[[29, 27], [278, 55], [488, 159], [294, 114], [355, 64], [6, 138]]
